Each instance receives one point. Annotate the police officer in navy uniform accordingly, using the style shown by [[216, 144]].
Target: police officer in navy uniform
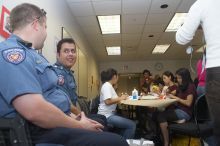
[[29, 87], [66, 58]]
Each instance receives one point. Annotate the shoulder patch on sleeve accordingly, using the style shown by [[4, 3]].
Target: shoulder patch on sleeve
[[14, 55], [61, 80]]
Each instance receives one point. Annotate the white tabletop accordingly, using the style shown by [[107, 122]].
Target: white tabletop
[[150, 103]]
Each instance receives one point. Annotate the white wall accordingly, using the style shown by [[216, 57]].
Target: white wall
[[59, 15], [139, 66]]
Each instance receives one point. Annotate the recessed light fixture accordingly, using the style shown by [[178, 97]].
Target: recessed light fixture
[[110, 24], [164, 6], [114, 50], [176, 22], [160, 49]]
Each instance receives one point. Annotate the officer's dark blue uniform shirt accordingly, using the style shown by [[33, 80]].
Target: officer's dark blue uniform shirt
[[66, 81], [24, 71]]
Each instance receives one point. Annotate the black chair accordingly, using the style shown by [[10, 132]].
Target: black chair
[[84, 105], [199, 126], [94, 104], [14, 132]]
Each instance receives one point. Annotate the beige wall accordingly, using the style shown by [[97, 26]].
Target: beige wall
[[139, 66], [59, 15], [126, 85]]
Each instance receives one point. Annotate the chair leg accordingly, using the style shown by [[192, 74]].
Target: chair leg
[[189, 141], [201, 142], [170, 137]]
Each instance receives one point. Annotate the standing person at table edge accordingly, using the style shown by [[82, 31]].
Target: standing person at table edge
[[108, 103], [206, 14], [30, 88], [66, 58], [185, 95]]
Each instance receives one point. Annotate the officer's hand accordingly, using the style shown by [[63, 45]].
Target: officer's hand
[[88, 124], [99, 126]]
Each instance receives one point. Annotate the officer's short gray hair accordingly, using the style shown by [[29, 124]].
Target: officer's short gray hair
[[24, 14]]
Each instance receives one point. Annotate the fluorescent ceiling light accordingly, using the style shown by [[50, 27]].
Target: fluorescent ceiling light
[[176, 22], [114, 50], [109, 24], [200, 50], [160, 49]]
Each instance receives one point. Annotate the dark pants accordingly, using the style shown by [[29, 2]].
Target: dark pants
[[213, 98], [79, 137]]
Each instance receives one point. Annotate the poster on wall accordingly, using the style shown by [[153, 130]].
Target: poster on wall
[[4, 22]]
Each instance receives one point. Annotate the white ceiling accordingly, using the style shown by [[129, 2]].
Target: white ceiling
[[139, 19]]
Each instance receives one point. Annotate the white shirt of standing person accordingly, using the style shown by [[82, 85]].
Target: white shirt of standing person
[[107, 91], [205, 13]]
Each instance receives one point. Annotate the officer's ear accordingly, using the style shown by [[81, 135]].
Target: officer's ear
[[58, 55]]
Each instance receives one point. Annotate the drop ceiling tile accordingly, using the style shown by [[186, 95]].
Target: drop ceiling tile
[[172, 6], [107, 7], [144, 44], [159, 18], [97, 38], [135, 6], [156, 36], [112, 43], [167, 37], [132, 29], [87, 20], [130, 43], [112, 36], [81, 9], [77, 1], [91, 30], [154, 28], [185, 5], [133, 19], [131, 36]]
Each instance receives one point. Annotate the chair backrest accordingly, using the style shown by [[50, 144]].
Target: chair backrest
[[94, 104], [84, 104], [201, 110]]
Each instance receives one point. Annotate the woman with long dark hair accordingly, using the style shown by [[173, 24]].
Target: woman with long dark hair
[[185, 96], [170, 87], [108, 103]]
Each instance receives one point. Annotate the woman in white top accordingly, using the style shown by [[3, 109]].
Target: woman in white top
[[206, 13], [108, 103]]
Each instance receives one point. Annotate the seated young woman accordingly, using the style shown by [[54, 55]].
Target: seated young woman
[[170, 87], [185, 95], [108, 103]]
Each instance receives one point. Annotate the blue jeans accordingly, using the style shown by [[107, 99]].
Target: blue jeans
[[182, 115], [127, 127]]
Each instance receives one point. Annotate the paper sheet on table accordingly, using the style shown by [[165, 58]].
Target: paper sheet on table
[[149, 97], [134, 142]]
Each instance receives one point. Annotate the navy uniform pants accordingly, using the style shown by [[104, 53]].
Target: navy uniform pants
[[99, 118], [79, 137], [213, 98]]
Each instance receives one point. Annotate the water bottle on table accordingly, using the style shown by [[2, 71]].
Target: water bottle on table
[[135, 94]]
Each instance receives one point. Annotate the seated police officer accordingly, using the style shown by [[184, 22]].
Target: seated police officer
[[66, 58], [30, 88]]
